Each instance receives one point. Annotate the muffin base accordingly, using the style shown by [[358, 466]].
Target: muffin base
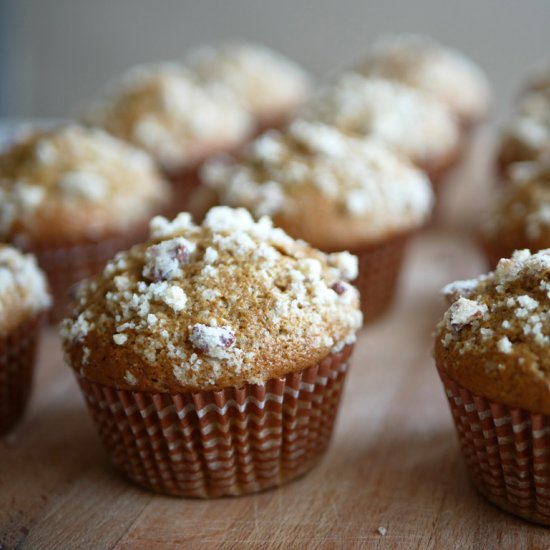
[[66, 263], [18, 352], [506, 451], [379, 269], [217, 443]]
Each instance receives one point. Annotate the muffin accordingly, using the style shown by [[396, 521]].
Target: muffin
[[520, 217], [538, 81], [164, 110], [334, 191], [491, 352], [269, 86], [410, 122], [213, 356], [24, 298], [74, 197], [445, 73], [527, 136]]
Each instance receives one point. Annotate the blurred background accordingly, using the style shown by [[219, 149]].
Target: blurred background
[[55, 53]]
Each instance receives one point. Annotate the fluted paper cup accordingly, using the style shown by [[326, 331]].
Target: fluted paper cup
[[506, 451], [229, 442], [379, 268], [18, 351]]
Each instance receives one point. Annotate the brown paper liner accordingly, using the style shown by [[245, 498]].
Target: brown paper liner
[[506, 451], [184, 183], [66, 264], [17, 358], [379, 269], [229, 442]]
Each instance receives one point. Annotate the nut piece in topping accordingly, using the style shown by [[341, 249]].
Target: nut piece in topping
[[212, 341], [163, 261], [463, 312]]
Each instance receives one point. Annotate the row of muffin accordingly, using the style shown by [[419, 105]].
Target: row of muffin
[[74, 196], [213, 357]]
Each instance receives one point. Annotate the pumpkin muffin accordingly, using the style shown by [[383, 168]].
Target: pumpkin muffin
[[520, 217], [24, 298], [213, 356], [491, 351], [163, 109], [446, 74], [268, 85], [410, 122], [335, 192], [527, 135], [74, 197]]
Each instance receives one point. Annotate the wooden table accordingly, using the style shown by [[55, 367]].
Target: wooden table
[[393, 476]]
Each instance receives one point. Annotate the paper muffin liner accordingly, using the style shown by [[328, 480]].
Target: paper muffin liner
[[66, 264], [18, 351], [184, 183], [229, 442], [506, 451], [379, 269]]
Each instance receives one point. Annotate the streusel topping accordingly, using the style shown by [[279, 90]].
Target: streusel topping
[[362, 178], [423, 63], [495, 335], [262, 80], [521, 215], [407, 120], [75, 182], [527, 135], [23, 288], [224, 303], [163, 109]]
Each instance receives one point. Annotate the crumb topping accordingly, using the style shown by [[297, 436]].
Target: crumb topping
[[406, 119], [520, 218], [163, 109], [79, 181], [421, 62], [506, 314], [260, 79], [362, 178], [223, 303], [527, 135], [23, 288]]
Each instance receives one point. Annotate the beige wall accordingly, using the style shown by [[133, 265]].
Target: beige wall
[[60, 51]]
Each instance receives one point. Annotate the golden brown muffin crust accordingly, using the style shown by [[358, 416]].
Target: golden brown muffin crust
[[332, 190], [520, 218], [211, 306], [495, 336], [73, 183], [163, 109]]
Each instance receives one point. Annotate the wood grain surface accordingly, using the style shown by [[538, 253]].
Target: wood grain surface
[[392, 478]]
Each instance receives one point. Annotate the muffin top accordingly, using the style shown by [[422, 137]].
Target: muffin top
[[23, 289], [527, 135], [163, 109], [407, 120], [445, 73], [73, 183], [494, 337], [229, 302], [263, 81], [311, 172], [520, 218]]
